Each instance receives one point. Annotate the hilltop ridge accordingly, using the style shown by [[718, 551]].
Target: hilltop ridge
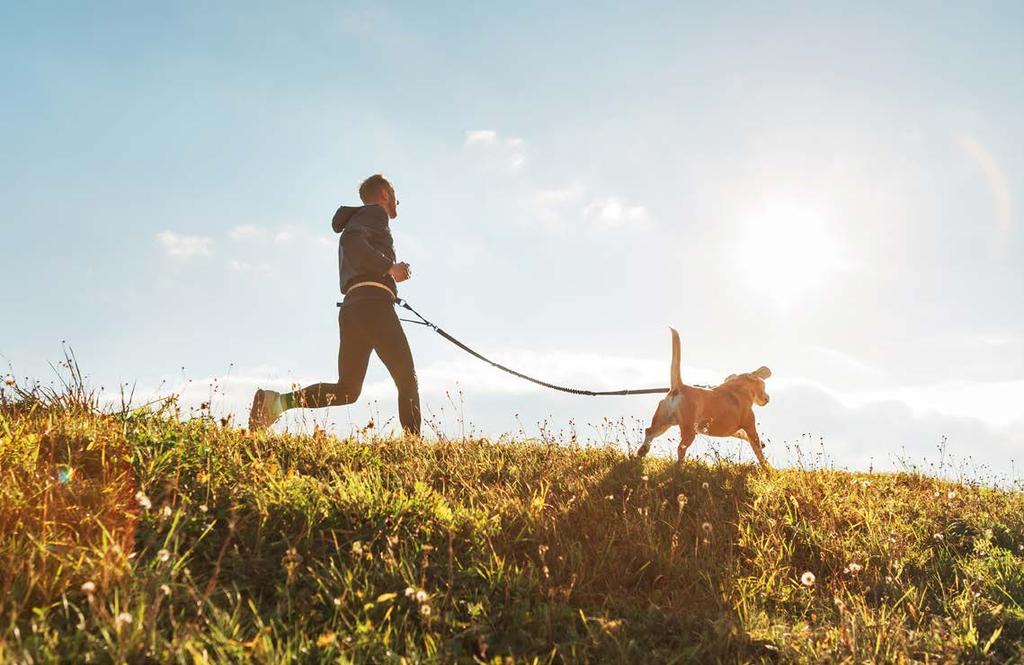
[[138, 536]]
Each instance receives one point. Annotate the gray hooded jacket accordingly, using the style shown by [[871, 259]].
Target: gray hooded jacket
[[366, 250]]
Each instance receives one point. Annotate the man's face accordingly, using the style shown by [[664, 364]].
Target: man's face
[[389, 201]]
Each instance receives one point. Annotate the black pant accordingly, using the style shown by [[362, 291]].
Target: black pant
[[364, 326]]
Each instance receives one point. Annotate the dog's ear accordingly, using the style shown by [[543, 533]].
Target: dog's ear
[[762, 372]]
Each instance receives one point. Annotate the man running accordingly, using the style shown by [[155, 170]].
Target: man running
[[367, 320]]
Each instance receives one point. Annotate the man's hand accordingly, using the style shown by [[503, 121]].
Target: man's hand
[[400, 271]]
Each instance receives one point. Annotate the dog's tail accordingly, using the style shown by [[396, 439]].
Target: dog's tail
[[676, 376]]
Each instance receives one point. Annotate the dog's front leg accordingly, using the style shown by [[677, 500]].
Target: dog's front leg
[[755, 443]]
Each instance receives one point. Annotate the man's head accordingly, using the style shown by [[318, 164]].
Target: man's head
[[376, 189]]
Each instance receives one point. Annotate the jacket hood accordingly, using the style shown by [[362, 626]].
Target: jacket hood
[[342, 217]]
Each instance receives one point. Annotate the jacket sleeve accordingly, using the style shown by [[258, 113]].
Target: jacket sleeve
[[363, 257]]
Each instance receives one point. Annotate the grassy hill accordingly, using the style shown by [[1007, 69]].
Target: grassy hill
[[137, 537]]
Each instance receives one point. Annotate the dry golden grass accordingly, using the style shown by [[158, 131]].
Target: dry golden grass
[[135, 536]]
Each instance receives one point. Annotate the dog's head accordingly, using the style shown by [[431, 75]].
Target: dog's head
[[751, 383]]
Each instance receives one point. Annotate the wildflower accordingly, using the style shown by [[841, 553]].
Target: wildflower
[[163, 555], [610, 497], [167, 511], [425, 610], [937, 494], [951, 495], [681, 500], [542, 549], [89, 587], [203, 508], [409, 592], [938, 536], [422, 596], [704, 485], [807, 579], [337, 602], [124, 617], [854, 568], [143, 500], [165, 590], [707, 527], [357, 547], [644, 477], [9, 381]]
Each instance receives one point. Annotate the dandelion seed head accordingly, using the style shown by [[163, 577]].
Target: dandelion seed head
[[707, 527], [9, 381], [409, 592], [167, 511], [337, 602], [124, 618], [163, 555], [422, 596], [807, 579], [143, 500], [951, 495], [705, 485], [89, 587], [855, 568], [203, 508], [425, 610], [165, 590]]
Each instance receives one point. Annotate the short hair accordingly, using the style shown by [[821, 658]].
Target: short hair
[[371, 186]]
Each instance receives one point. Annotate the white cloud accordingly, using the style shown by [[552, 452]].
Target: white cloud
[[555, 207], [481, 136], [184, 246], [510, 152], [246, 231], [612, 212], [250, 232]]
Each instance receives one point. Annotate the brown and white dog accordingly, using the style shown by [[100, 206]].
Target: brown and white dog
[[727, 410]]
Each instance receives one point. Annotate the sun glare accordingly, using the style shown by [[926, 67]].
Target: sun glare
[[786, 252]]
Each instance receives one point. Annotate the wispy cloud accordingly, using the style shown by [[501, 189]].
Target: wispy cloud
[[250, 232], [613, 212], [510, 151], [184, 246], [573, 202]]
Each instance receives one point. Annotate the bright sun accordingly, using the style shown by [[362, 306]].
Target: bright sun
[[785, 252]]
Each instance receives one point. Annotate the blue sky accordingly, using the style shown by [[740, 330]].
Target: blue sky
[[831, 191]]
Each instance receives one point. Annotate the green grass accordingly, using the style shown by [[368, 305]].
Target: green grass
[[201, 542]]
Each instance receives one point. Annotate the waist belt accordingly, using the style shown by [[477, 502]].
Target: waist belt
[[377, 284]]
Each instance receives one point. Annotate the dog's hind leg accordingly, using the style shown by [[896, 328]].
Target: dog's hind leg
[[687, 435], [662, 420]]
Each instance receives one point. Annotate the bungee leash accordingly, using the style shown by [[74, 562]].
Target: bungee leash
[[572, 391]]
